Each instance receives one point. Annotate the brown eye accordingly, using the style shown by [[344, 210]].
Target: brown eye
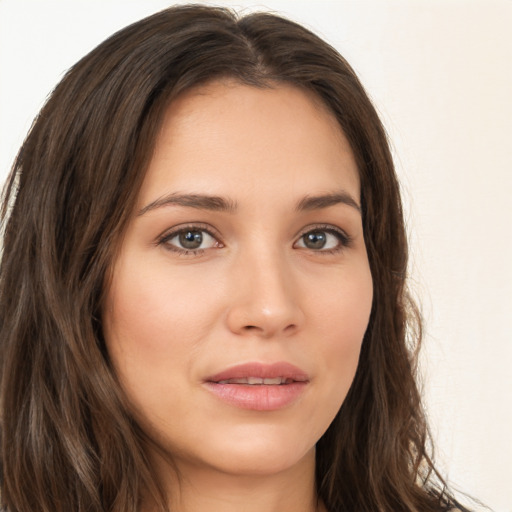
[[315, 239], [190, 239], [323, 240]]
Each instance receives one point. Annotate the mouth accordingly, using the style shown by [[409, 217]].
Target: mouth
[[258, 386], [258, 381]]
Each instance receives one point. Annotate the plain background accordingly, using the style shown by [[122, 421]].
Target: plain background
[[440, 74]]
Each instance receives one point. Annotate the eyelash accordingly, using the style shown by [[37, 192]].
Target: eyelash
[[166, 237], [343, 239]]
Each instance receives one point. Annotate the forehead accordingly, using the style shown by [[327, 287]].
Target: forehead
[[228, 138]]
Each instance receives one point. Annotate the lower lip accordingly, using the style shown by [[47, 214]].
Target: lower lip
[[258, 397]]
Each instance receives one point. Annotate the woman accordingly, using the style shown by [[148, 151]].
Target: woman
[[203, 298]]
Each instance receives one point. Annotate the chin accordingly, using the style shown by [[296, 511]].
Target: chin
[[248, 452], [258, 453], [260, 464]]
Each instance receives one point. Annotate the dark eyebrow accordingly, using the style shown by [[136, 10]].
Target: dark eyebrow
[[199, 201], [326, 200], [218, 203]]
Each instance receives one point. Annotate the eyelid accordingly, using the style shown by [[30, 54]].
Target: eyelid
[[345, 240], [170, 233]]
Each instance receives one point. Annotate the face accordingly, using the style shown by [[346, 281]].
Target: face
[[242, 290]]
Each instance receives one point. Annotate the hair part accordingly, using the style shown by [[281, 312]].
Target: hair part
[[68, 439]]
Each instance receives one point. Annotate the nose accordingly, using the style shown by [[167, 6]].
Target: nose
[[264, 302]]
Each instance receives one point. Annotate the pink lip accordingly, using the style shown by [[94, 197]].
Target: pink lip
[[259, 397]]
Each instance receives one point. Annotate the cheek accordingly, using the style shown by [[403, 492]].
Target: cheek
[[343, 306], [153, 325], [342, 315], [153, 312]]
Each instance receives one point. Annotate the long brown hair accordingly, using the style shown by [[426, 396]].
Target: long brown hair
[[68, 441]]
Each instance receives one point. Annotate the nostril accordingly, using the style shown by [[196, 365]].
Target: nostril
[[289, 328], [268, 332]]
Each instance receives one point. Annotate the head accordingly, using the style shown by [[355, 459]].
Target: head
[[77, 182]]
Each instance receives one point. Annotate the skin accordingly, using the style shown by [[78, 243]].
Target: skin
[[256, 290]]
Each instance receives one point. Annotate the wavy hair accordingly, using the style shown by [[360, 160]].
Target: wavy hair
[[68, 440]]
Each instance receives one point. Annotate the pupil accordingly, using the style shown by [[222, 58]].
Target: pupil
[[315, 240], [191, 239]]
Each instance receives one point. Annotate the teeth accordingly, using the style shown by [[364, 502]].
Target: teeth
[[256, 381], [276, 380]]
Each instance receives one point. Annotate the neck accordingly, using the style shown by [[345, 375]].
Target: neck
[[195, 489]]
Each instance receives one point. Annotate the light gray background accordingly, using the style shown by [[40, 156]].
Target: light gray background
[[440, 74]]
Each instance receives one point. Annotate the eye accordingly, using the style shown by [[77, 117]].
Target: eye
[[323, 239], [190, 240]]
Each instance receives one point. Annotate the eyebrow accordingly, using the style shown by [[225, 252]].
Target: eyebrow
[[327, 200], [222, 204], [198, 201]]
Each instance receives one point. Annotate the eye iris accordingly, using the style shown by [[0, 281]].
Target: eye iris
[[315, 239], [191, 239]]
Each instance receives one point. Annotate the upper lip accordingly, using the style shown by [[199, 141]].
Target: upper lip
[[285, 371]]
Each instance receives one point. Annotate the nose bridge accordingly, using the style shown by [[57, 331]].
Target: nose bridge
[[264, 301]]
